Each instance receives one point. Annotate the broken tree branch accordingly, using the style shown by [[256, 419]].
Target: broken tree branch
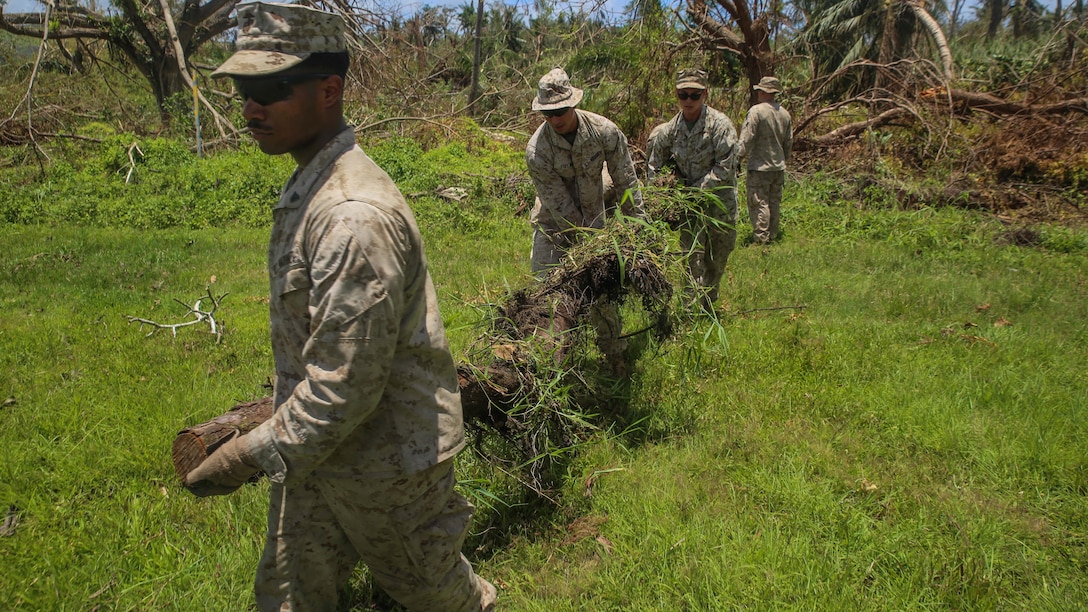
[[999, 106], [200, 316], [132, 161]]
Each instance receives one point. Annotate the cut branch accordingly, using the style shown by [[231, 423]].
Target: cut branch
[[534, 333], [193, 444], [200, 316]]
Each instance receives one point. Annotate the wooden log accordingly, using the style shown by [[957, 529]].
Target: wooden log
[[193, 444]]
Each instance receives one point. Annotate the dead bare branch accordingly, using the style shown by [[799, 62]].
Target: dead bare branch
[[859, 127], [999, 106], [199, 316], [28, 97]]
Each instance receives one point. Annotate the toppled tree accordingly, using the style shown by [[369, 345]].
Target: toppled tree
[[138, 30], [523, 391]]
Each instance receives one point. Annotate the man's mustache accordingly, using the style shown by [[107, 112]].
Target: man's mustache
[[256, 125]]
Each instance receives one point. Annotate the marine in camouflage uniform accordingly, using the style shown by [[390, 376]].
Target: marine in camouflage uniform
[[581, 169], [767, 139], [367, 420], [699, 144]]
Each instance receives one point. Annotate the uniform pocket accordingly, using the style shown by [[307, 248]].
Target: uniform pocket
[[433, 529], [295, 293]]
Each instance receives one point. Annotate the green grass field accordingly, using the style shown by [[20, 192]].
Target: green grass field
[[895, 419]]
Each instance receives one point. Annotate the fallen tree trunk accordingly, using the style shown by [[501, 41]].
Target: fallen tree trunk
[[959, 100], [987, 102]]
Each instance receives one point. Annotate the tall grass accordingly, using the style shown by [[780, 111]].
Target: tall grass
[[894, 420]]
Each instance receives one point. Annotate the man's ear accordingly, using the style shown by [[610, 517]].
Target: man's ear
[[331, 91]]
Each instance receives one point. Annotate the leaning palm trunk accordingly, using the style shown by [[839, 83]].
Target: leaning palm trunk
[[935, 32]]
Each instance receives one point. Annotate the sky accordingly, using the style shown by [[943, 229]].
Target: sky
[[408, 7]]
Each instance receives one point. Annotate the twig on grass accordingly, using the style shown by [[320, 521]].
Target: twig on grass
[[11, 521], [200, 316]]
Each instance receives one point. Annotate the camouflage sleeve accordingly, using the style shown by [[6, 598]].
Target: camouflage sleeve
[[556, 202], [618, 156], [723, 172], [354, 334], [657, 151], [747, 133]]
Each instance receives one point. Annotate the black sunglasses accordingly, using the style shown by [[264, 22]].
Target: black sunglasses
[[559, 112], [683, 95], [272, 90]]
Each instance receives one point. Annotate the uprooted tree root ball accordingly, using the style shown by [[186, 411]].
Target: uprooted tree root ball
[[530, 393]]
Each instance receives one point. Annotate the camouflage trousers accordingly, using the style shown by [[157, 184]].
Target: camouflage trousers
[[407, 530], [764, 203], [707, 242]]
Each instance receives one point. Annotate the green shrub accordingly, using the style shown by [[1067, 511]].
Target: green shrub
[[126, 181]]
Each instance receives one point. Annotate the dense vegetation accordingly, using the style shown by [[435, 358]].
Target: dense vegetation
[[887, 411]]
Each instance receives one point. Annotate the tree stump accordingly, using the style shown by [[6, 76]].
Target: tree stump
[[193, 444]]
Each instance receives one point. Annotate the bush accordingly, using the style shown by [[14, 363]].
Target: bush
[[129, 182]]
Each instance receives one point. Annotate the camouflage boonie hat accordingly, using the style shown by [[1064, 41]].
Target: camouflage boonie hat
[[555, 91], [691, 79], [769, 85], [275, 37]]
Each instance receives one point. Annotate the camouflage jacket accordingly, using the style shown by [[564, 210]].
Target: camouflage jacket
[[365, 382], [570, 188], [766, 137], [704, 156]]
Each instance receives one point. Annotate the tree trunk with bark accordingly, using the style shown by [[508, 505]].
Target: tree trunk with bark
[[997, 15], [193, 444], [753, 45], [477, 43], [937, 34]]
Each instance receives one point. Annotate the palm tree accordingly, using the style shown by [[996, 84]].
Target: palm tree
[[838, 33]]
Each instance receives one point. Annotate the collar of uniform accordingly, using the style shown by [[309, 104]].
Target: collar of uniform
[[302, 181], [699, 123]]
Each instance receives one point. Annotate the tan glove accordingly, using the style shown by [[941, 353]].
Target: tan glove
[[228, 467]]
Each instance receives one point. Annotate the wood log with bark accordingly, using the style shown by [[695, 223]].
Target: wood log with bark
[[193, 444]]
